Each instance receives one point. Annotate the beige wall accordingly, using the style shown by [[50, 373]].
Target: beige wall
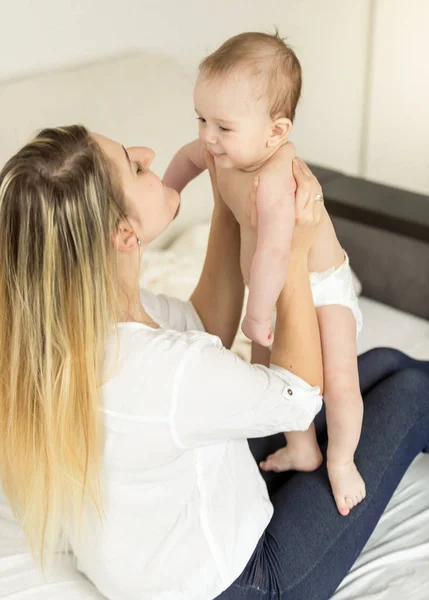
[[398, 118], [354, 110], [329, 36]]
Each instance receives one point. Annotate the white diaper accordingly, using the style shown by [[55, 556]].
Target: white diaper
[[336, 287]]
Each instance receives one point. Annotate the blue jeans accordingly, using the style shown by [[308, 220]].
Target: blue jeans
[[308, 548]]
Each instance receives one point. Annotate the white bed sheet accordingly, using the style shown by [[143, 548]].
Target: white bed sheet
[[394, 564], [395, 561]]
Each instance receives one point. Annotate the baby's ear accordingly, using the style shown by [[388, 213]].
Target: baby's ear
[[280, 129]]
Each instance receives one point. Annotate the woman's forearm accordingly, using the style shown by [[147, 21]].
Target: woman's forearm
[[297, 344], [218, 297]]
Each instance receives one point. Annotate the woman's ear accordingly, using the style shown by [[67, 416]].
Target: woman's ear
[[279, 132], [125, 238]]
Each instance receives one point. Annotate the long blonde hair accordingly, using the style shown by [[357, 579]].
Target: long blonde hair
[[59, 207]]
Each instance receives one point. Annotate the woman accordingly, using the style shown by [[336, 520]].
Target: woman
[[124, 424]]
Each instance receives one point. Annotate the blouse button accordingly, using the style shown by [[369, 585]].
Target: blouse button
[[290, 392]]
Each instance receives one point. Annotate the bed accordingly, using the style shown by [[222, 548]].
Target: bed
[[147, 99]]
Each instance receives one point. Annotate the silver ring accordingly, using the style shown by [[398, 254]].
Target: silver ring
[[319, 198]]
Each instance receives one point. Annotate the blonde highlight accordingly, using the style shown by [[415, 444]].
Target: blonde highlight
[[59, 207]]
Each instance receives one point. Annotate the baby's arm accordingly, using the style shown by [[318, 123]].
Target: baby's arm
[[274, 220], [187, 164]]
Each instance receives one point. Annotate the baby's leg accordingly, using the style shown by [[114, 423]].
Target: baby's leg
[[302, 452], [343, 402]]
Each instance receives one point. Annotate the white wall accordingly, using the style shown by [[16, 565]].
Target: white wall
[[329, 36], [365, 105], [398, 118]]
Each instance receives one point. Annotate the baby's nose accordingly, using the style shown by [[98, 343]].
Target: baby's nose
[[208, 136]]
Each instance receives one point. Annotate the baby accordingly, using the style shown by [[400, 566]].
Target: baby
[[245, 99]]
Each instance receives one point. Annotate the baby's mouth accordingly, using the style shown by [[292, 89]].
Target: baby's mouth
[[216, 153]]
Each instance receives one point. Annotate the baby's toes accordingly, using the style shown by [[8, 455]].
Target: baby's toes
[[349, 502], [342, 506], [268, 464]]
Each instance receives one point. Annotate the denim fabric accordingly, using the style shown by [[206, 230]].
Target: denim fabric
[[308, 548]]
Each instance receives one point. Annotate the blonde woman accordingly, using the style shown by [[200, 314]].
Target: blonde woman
[[124, 418]]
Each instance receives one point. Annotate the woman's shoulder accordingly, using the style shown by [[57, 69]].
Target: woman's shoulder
[[171, 313], [142, 365], [133, 348]]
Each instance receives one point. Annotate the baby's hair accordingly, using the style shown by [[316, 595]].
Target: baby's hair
[[269, 59]]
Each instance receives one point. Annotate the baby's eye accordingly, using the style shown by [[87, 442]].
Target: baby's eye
[[223, 128], [201, 120]]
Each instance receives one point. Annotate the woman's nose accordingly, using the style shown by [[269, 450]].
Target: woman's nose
[[143, 154], [147, 156]]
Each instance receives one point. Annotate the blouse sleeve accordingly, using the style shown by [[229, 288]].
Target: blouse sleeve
[[217, 396]]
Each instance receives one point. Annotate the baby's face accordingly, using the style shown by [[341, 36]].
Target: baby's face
[[234, 124]]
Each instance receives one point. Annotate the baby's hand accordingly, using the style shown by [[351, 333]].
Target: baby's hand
[[258, 331]]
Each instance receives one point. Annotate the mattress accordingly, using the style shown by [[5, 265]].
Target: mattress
[[395, 561]]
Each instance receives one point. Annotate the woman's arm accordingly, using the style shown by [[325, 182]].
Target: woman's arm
[[222, 397], [218, 297], [297, 344]]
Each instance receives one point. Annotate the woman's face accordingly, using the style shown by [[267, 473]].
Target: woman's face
[[150, 205]]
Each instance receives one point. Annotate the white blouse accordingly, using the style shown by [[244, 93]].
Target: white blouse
[[184, 502]]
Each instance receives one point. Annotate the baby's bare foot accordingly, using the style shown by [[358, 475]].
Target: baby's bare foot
[[258, 331], [293, 459], [347, 485]]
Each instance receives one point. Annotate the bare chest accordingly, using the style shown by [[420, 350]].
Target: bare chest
[[235, 187]]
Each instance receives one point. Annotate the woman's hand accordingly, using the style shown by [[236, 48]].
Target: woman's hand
[[309, 208]]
